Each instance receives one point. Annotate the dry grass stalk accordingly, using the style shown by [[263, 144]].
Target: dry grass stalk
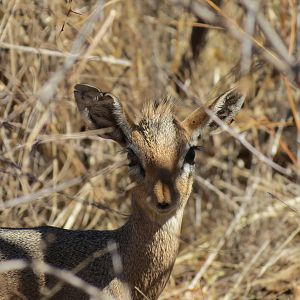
[[43, 146]]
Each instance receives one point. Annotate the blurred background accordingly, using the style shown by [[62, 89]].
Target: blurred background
[[241, 231]]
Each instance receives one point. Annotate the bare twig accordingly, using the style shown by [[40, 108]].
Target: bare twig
[[47, 52], [228, 232], [63, 275], [236, 135]]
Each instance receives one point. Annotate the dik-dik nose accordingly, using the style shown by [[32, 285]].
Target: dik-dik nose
[[162, 194]]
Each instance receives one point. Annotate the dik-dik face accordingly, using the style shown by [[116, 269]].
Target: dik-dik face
[[160, 148]]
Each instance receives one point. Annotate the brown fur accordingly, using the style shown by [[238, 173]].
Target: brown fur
[[148, 243]]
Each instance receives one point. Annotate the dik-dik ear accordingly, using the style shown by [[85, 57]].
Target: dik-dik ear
[[103, 111], [225, 107]]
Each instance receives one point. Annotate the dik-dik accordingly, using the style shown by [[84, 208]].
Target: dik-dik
[[161, 153]]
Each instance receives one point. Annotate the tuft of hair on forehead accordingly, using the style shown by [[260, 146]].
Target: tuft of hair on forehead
[[157, 124], [158, 109]]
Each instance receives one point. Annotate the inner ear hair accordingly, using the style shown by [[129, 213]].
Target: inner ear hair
[[102, 110], [225, 107]]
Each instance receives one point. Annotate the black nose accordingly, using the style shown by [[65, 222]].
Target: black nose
[[163, 205]]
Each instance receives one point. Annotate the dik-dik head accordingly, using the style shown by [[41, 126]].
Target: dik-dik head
[[160, 148]]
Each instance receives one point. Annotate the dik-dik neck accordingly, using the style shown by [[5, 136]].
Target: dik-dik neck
[[150, 249]]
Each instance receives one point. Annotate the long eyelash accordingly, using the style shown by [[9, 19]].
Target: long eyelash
[[199, 148]]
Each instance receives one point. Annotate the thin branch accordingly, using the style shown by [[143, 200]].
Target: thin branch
[[235, 134], [242, 210], [64, 275], [47, 52]]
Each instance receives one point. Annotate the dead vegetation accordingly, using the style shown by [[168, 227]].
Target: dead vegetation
[[241, 233]]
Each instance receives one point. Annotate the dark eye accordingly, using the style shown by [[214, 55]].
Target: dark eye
[[190, 156], [133, 160], [134, 163]]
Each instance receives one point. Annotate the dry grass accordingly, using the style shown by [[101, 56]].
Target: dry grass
[[241, 233]]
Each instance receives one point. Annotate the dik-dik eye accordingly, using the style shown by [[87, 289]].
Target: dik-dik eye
[[133, 159], [190, 156], [134, 163]]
